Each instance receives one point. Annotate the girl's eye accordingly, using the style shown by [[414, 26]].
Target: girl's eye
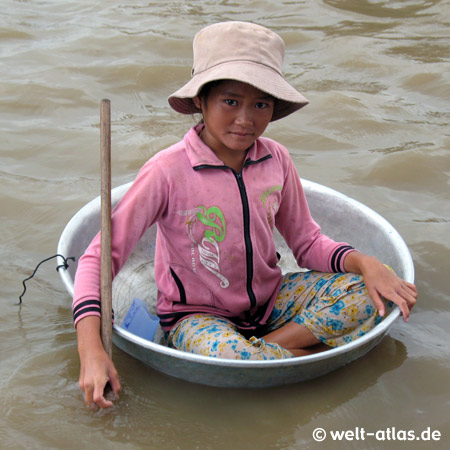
[[231, 102], [262, 105]]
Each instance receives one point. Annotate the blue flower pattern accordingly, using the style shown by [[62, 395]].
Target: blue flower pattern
[[336, 308]]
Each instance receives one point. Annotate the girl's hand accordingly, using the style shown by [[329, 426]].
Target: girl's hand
[[97, 369], [382, 282]]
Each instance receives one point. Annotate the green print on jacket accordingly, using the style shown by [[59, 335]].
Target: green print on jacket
[[208, 218], [208, 248], [269, 191], [270, 203]]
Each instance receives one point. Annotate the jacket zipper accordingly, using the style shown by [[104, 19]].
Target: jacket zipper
[[247, 237]]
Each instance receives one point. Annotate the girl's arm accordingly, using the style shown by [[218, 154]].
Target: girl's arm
[[138, 209], [96, 369], [382, 282]]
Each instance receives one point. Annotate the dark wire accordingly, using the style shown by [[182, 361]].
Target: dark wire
[[65, 265]]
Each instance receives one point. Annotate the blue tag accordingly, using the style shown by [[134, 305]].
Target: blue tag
[[139, 321]]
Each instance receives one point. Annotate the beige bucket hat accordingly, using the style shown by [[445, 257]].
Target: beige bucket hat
[[244, 52]]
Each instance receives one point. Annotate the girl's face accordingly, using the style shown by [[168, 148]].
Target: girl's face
[[235, 115]]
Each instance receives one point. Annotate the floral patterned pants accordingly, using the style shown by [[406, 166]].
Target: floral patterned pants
[[335, 307]]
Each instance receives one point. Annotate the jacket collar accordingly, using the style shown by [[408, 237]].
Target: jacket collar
[[200, 154]]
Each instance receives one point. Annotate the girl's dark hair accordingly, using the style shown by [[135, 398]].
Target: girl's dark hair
[[204, 93], [206, 88]]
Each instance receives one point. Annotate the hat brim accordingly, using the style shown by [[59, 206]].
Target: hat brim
[[260, 76]]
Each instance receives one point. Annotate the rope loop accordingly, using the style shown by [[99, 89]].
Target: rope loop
[[65, 265]]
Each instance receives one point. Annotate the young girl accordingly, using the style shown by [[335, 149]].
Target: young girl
[[217, 197]]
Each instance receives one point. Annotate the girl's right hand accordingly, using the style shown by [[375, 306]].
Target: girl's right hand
[[95, 373], [97, 369]]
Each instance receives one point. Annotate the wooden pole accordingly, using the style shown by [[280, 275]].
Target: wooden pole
[[105, 227]]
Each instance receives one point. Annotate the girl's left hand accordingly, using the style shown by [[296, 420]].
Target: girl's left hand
[[382, 282]]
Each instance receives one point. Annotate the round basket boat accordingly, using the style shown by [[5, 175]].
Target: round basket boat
[[341, 218]]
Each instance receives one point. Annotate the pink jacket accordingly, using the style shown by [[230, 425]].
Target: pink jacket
[[215, 251]]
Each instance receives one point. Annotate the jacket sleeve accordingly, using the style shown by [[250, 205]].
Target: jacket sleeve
[[312, 249], [139, 208]]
